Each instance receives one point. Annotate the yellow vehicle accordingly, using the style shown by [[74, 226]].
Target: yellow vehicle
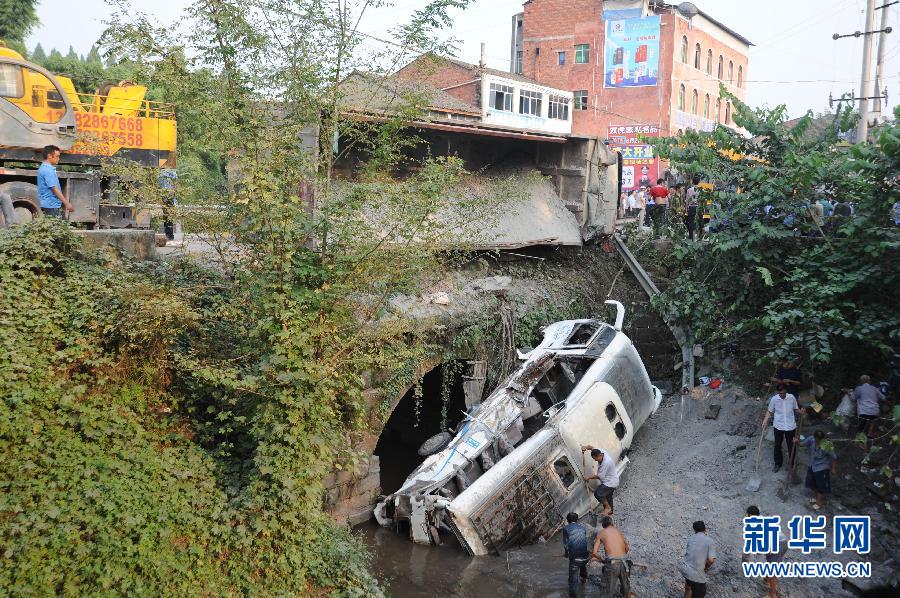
[[38, 109]]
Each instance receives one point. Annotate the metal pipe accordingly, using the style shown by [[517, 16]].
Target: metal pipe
[[684, 339]]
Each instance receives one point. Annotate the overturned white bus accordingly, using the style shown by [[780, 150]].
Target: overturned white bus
[[514, 468]]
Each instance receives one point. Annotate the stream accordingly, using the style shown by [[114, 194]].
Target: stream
[[408, 570]]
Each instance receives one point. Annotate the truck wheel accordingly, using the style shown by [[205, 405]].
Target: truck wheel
[[435, 444], [25, 201]]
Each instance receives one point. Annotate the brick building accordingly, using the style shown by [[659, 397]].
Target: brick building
[[504, 99], [644, 69]]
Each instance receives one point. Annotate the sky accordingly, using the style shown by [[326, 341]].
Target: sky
[[794, 60]]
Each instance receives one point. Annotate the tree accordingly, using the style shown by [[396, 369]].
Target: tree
[[94, 55], [267, 370], [18, 18], [55, 54], [770, 276], [72, 55], [38, 55]]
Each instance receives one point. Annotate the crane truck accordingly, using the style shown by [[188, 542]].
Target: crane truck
[[38, 108]]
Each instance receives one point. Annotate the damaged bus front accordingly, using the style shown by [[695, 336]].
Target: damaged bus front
[[514, 468]]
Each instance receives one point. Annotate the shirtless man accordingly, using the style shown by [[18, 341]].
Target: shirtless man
[[615, 547]]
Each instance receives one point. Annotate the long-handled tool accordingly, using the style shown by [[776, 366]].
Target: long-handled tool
[[754, 482], [587, 490], [792, 477]]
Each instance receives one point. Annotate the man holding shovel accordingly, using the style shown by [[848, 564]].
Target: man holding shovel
[[784, 409]]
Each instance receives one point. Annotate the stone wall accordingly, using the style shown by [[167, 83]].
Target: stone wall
[[349, 495]]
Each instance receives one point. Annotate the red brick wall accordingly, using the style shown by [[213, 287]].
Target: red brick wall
[[558, 25], [443, 74], [694, 79]]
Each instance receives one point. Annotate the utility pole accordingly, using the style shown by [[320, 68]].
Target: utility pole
[[879, 64], [865, 81]]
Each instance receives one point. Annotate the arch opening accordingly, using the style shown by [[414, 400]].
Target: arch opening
[[414, 420]]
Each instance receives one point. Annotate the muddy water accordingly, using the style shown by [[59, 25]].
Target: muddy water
[[412, 571]]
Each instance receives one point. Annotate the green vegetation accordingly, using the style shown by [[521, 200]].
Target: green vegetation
[[165, 428], [17, 19], [768, 283], [768, 278]]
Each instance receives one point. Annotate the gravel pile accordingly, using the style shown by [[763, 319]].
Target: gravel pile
[[684, 468]]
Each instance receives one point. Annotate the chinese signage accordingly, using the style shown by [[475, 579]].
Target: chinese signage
[[631, 53], [850, 534], [640, 168], [683, 120]]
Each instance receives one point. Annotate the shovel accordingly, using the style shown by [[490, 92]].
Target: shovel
[[754, 482]]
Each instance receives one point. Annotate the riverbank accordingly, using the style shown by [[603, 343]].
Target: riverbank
[[683, 467]]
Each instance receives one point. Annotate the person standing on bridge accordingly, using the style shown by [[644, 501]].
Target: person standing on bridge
[[49, 192], [615, 547], [608, 476]]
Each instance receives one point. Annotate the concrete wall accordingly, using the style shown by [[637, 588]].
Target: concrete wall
[[710, 37], [349, 495]]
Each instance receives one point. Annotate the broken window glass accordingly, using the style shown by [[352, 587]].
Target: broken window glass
[[565, 472], [582, 334]]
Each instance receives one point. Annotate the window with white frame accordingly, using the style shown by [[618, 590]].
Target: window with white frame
[[558, 107], [580, 100], [501, 97], [530, 102], [560, 58], [518, 62]]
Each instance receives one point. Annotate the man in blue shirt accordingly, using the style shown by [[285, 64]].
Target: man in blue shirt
[[822, 463], [575, 544], [49, 191]]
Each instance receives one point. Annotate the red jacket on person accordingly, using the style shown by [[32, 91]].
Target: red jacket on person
[[658, 192]]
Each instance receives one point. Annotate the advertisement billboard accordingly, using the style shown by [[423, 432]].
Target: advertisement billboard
[[631, 53], [623, 9], [640, 166]]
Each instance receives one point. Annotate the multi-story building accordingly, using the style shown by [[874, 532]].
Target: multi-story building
[[504, 99], [635, 68]]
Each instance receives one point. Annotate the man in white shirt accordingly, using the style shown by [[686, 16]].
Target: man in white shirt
[[784, 409], [608, 476]]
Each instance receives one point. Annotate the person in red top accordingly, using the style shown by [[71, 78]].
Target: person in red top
[[660, 195]]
